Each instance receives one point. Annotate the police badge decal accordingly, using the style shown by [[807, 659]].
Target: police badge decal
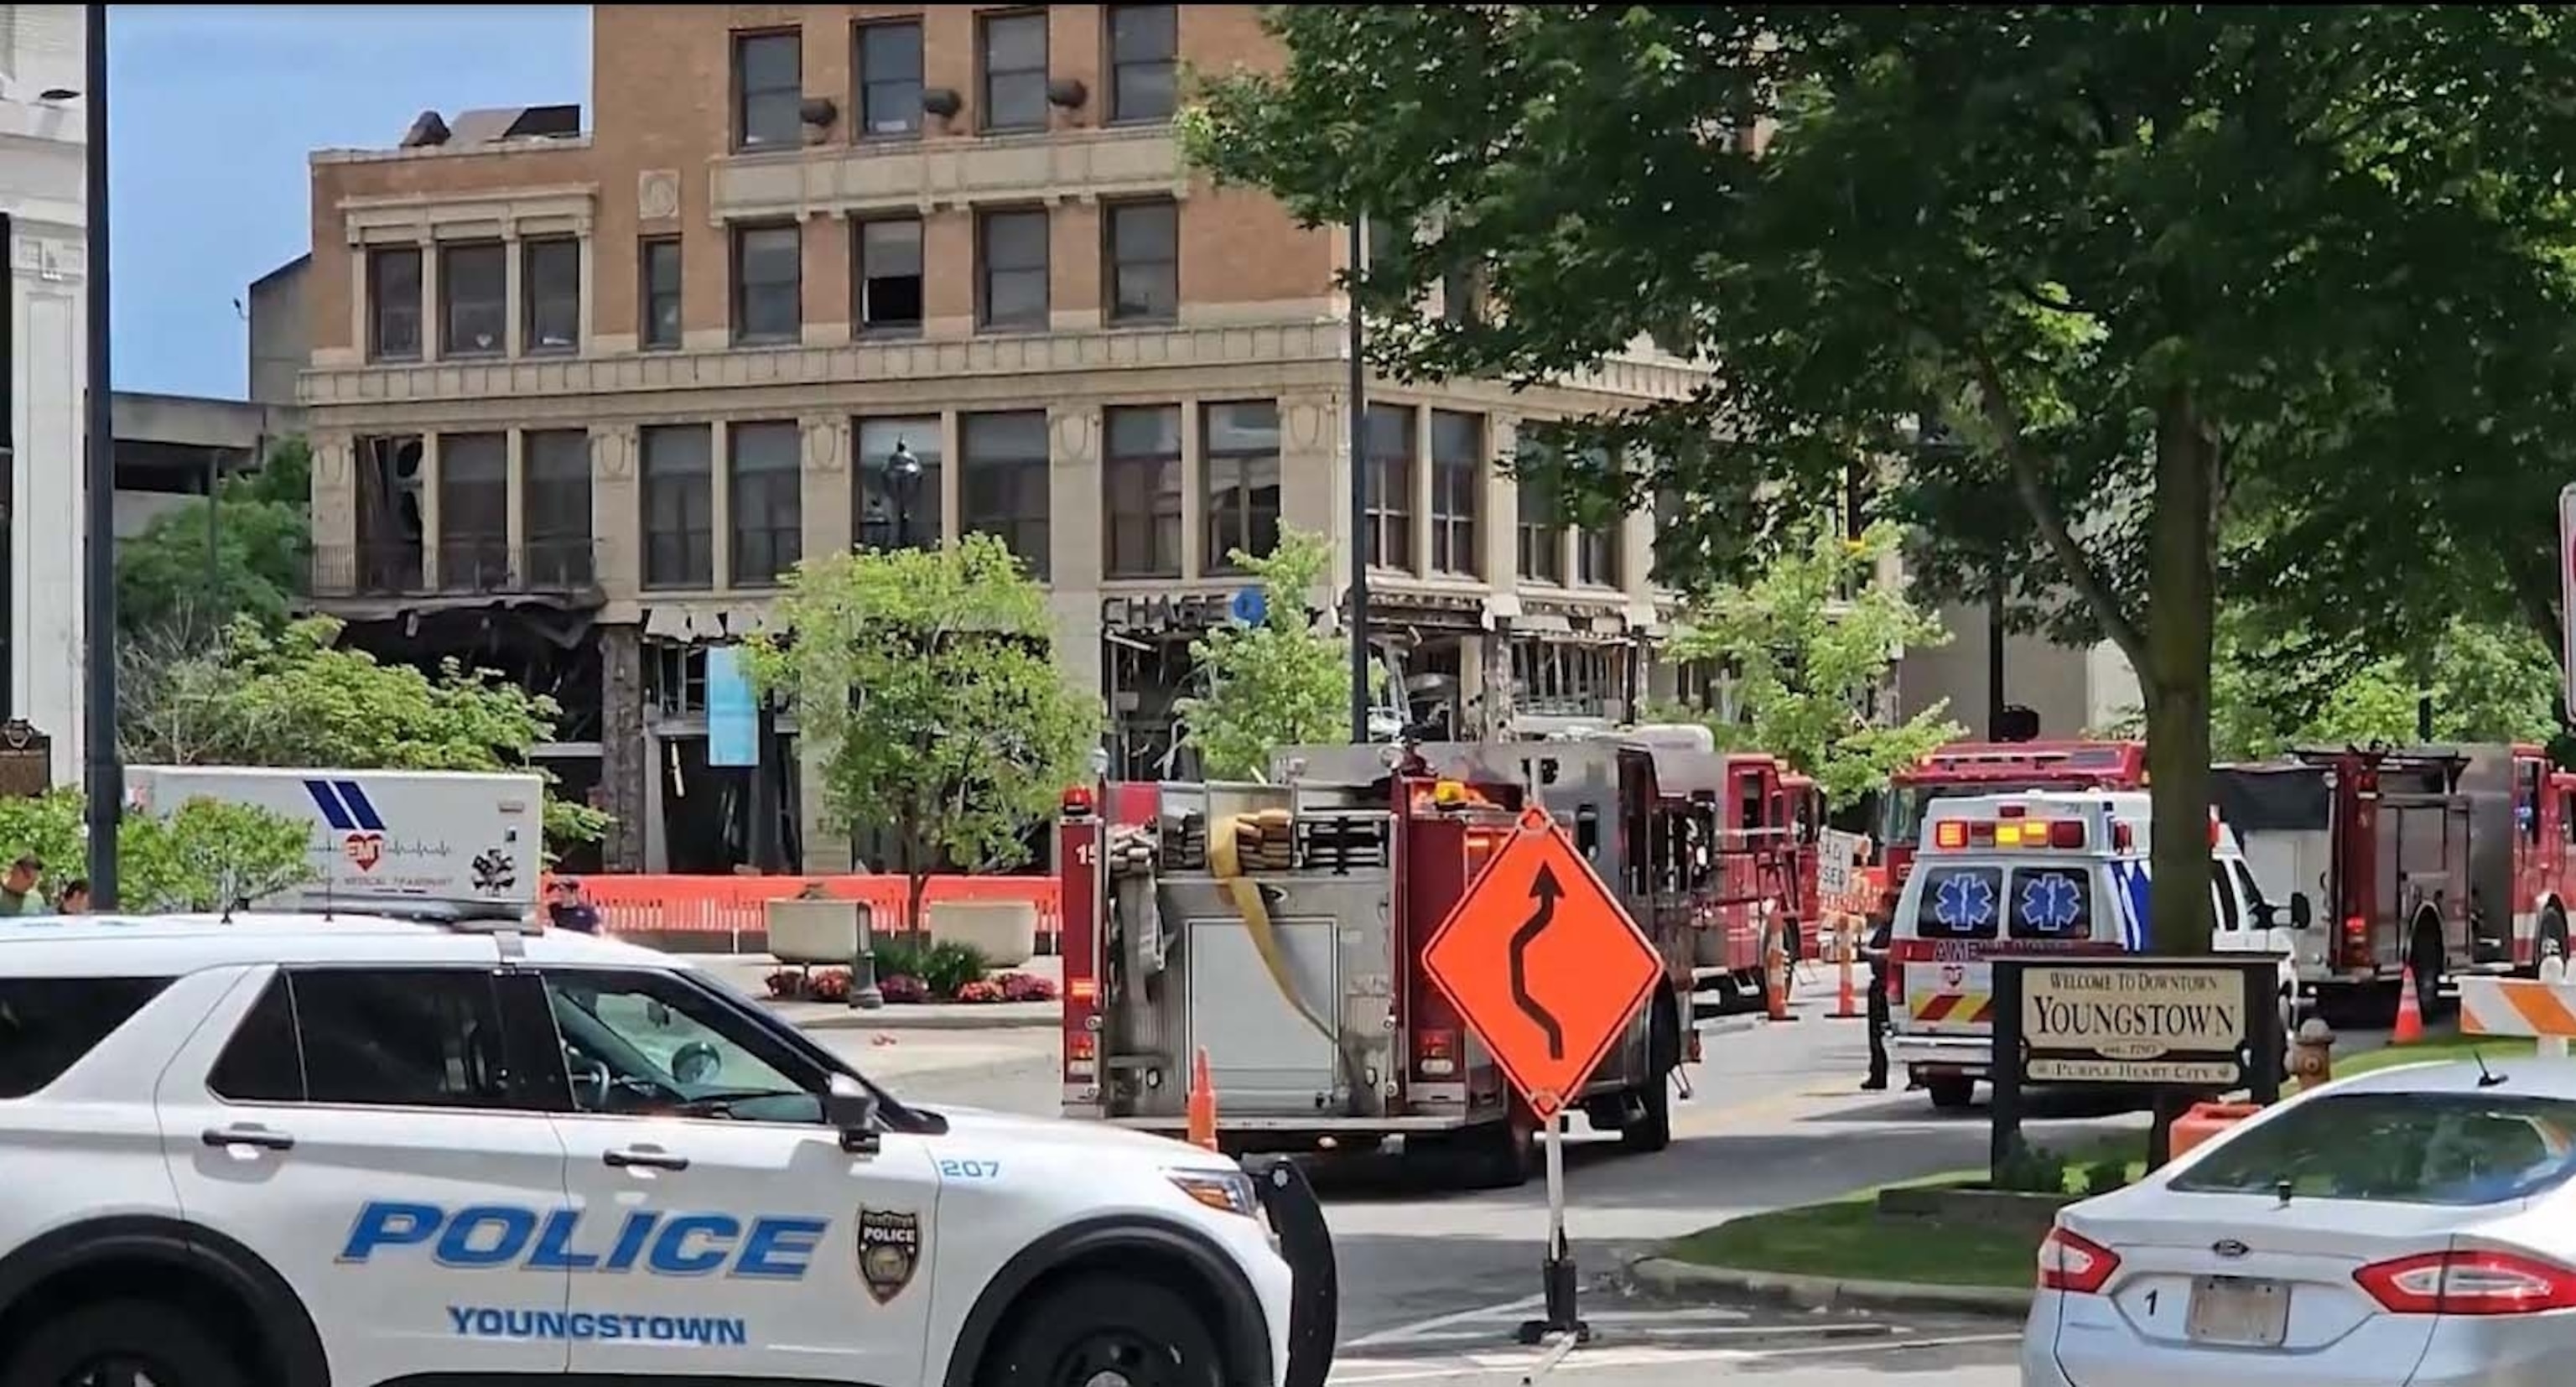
[[889, 1250]]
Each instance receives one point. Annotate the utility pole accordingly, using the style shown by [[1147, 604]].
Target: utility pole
[[1359, 492], [98, 534]]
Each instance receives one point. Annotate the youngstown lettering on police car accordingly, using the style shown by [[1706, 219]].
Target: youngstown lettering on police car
[[494, 1322], [767, 1247]]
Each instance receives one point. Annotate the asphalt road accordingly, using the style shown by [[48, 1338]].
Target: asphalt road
[[1435, 1281]]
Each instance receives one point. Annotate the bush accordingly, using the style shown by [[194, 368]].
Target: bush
[[1025, 987], [943, 967], [2104, 1176], [903, 987], [980, 990], [2032, 1170]]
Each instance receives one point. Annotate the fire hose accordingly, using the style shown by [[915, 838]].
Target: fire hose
[[1231, 839]]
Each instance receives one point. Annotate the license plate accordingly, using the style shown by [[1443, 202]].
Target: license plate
[[2234, 1310]]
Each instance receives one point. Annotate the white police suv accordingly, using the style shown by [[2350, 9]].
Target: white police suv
[[296, 1151]]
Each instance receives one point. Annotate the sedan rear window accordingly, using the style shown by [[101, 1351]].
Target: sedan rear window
[[2399, 1148]]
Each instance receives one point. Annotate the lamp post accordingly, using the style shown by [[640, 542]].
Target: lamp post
[[98, 532], [904, 468], [1358, 256]]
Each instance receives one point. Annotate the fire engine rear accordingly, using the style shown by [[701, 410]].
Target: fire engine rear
[[1990, 768], [1279, 928]]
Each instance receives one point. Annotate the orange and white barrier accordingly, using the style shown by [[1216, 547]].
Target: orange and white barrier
[[2544, 1009]]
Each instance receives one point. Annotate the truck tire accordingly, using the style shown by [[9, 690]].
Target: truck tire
[[1491, 1156], [115, 1340], [1095, 1328], [2552, 940], [1950, 1092], [1651, 1130], [2426, 956]]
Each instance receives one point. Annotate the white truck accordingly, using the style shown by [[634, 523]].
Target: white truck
[[449, 836]]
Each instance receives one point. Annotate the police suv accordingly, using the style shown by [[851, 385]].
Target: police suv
[[298, 1151]]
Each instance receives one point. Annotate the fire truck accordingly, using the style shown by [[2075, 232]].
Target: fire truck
[[2451, 860], [1745, 829], [1990, 768], [1278, 928]]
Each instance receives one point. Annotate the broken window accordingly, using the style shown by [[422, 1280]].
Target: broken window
[[550, 279], [473, 512], [387, 556], [474, 300], [890, 275], [393, 304]]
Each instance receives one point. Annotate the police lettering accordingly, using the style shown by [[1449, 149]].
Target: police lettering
[[773, 1247]]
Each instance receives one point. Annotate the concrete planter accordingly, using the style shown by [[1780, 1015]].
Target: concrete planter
[[1004, 932], [2015, 1209], [812, 931]]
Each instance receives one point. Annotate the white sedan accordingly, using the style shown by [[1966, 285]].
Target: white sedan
[[2409, 1227]]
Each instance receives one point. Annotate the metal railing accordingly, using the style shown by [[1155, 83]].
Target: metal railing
[[456, 566]]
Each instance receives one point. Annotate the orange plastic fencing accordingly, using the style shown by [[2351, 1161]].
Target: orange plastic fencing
[[732, 905]]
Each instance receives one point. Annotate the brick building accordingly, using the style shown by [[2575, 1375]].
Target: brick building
[[820, 275]]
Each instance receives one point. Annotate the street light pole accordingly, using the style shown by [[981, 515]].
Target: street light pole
[[98, 533], [1358, 257]]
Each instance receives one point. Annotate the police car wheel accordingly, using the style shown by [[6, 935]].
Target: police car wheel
[[124, 1343], [1108, 1331]]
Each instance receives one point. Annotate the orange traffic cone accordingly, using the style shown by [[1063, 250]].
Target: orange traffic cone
[[1202, 1103], [2410, 1022], [1775, 972], [1846, 1002]]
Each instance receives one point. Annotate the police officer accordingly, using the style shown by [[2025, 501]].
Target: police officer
[[1882, 927]]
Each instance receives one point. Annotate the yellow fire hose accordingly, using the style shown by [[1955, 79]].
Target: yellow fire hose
[[1225, 861]]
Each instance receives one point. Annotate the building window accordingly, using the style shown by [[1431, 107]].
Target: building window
[[1015, 71], [554, 509], [679, 506], [1542, 535], [768, 284], [660, 300], [1239, 445], [768, 90], [550, 282], [1003, 487], [1596, 556], [1144, 262], [1143, 467], [393, 304], [1457, 486], [889, 276], [1144, 50], [764, 464], [1390, 486], [473, 512], [899, 505], [889, 80], [473, 300], [1459, 295], [1012, 248]]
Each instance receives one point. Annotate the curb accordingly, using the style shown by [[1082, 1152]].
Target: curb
[[906, 1018], [1689, 1279]]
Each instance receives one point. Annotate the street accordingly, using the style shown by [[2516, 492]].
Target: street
[[1434, 1282]]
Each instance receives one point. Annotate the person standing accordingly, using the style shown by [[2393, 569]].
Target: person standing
[[22, 887], [1881, 932], [567, 910], [75, 897]]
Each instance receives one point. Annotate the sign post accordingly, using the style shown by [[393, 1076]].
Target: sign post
[[1548, 970], [2176, 1025]]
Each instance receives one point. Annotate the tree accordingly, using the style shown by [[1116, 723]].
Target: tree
[[2147, 261], [294, 697], [204, 855], [176, 576], [925, 684], [1274, 682], [1805, 642]]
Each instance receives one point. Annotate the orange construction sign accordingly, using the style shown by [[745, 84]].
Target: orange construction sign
[[1543, 962]]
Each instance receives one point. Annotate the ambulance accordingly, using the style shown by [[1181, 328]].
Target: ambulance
[[2037, 872]]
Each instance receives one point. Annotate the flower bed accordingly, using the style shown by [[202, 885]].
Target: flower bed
[[833, 985]]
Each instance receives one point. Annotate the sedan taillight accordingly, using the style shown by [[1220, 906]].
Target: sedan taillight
[[2075, 1263], [2469, 1282]]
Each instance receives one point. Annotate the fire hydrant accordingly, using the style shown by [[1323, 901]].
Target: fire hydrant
[[2312, 1055]]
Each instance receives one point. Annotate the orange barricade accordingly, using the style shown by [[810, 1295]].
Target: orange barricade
[[722, 913]]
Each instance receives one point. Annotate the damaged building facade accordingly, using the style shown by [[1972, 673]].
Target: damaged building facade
[[580, 391]]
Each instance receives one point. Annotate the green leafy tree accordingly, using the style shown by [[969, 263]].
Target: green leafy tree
[[1806, 641], [176, 574], [2155, 264], [203, 855], [295, 697], [1274, 682], [925, 683]]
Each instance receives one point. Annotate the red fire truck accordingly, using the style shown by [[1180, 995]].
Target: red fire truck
[[1321, 1029], [2450, 860], [1989, 768]]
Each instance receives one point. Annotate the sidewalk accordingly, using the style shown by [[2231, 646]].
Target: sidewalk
[[748, 974]]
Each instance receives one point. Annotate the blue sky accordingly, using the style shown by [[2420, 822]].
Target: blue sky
[[212, 110]]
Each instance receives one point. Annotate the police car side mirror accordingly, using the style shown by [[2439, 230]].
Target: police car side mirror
[[848, 1108], [2301, 913]]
